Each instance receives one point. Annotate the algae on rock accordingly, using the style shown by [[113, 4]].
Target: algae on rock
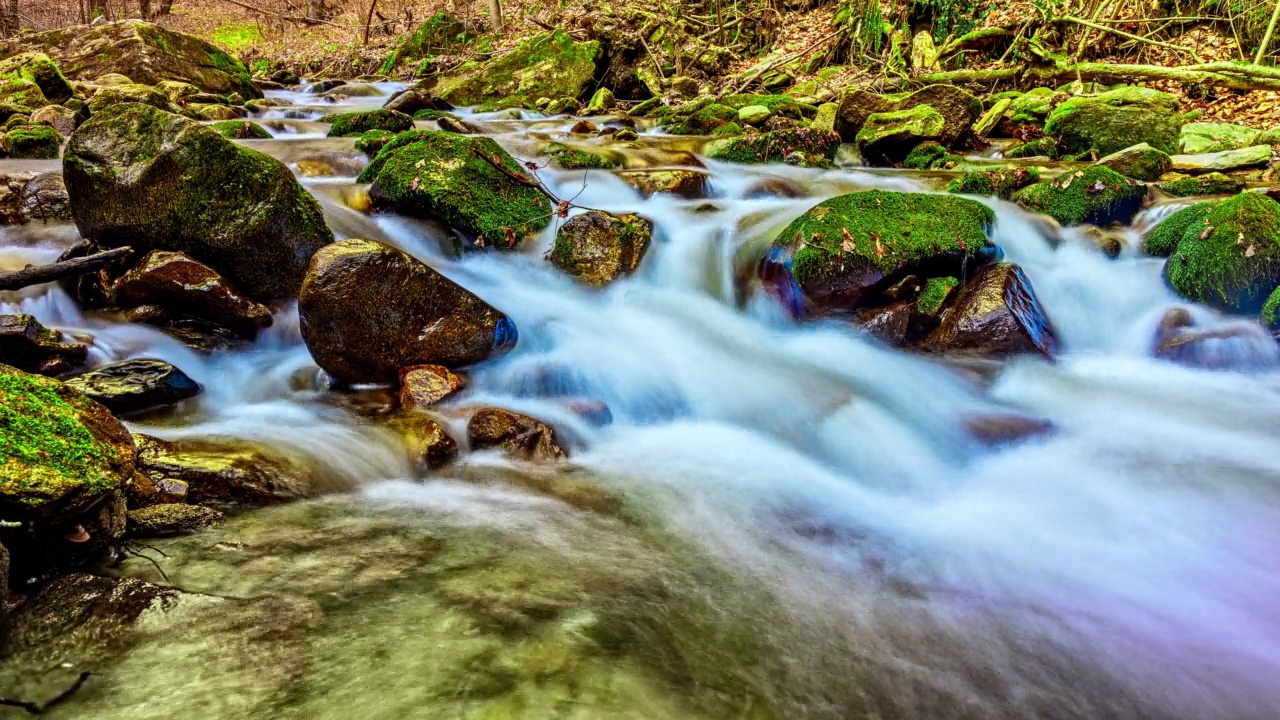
[[548, 65]]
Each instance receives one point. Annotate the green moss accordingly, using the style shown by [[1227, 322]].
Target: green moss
[[924, 156], [1095, 195], [646, 107], [1117, 119], [44, 444], [1270, 316], [999, 183], [241, 130], [1211, 184], [348, 124], [1032, 107], [705, 120], [34, 142], [934, 295], [437, 35], [775, 146], [780, 105], [21, 92], [1044, 147], [886, 131], [372, 142], [1237, 264], [729, 128], [429, 114], [547, 65], [1164, 239], [571, 158], [450, 177], [235, 37], [38, 69], [886, 231]]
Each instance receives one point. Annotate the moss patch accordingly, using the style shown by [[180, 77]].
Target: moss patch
[[1236, 265], [999, 183], [1211, 184], [776, 146], [1095, 195], [349, 124], [781, 105], [1044, 147], [1164, 239], [1117, 119], [372, 142], [548, 65], [571, 158], [934, 295], [704, 121], [37, 68], [440, 33], [1270, 317], [925, 156], [34, 142], [241, 130]]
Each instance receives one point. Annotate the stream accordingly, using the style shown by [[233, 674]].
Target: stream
[[806, 528]]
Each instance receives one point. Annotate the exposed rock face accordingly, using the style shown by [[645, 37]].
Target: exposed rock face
[[144, 52], [956, 106], [996, 314], [171, 519], [1096, 195], [549, 65], [519, 436], [11, 186], [227, 473], [1198, 138], [429, 445], [368, 310], [1116, 120], [597, 247], [136, 386], [185, 288], [153, 180], [1231, 259], [426, 385], [45, 198], [1140, 162], [887, 138], [29, 346]]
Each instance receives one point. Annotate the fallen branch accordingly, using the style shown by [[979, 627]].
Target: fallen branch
[[1123, 34], [59, 270], [289, 18], [777, 63], [42, 708], [1233, 76]]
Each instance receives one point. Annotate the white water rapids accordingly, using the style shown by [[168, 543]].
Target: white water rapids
[[1134, 550]]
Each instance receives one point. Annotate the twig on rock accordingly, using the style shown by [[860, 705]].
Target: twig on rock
[[64, 269]]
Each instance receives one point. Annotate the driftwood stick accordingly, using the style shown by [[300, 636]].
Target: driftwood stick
[[59, 270]]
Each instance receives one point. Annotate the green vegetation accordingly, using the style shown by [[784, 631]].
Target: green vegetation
[[235, 37], [1095, 195], [1211, 184], [358, 123], [999, 183], [36, 142], [934, 295], [372, 142], [925, 156], [1270, 317], [705, 120], [1044, 147], [817, 148], [1164, 239], [549, 65], [571, 158], [1115, 120], [1236, 265], [437, 35], [241, 130]]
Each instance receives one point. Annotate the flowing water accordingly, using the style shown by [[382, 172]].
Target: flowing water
[[809, 528]]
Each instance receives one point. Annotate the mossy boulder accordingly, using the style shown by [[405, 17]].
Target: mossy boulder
[[177, 90], [128, 93], [704, 120], [598, 247], [1043, 147], [1231, 260], [824, 120], [1198, 138], [887, 138], [1211, 184], [1001, 183], [779, 105], [957, 107], [358, 123], [1117, 119], [468, 182], [1031, 108], [33, 142], [1224, 161], [440, 34], [371, 142], [241, 130], [847, 248], [1270, 315], [925, 156], [1140, 162], [573, 158], [152, 180], [210, 112], [368, 310], [20, 96], [548, 65], [63, 119], [1096, 195], [144, 52], [1164, 239], [601, 102], [38, 69], [816, 146]]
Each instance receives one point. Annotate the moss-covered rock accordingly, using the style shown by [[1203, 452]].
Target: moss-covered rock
[[33, 142], [957, 107], [241, 130], [429, 114], [549, 65], [780, 105], [728, 129], [38, 69], [1198, 138], [934, 295], [1001, 183], [1164, 239], [1212, 184], [210, 112], [924, 156], [824, 120], [468, 182], [230, 473], [601, 102], [573, 158], [1140, 162], [177, 90], [597, 247], [1031, 108], [1117, 119], [704, 120], [21, 95], [1270, 315], [144, 52], [371, 142], [440, 34], [844, 249], [1044, 147], [1233, 263], [358, 123], [128, 93], [152, 180], [1095, 195], [63, 119], [776, 146], [887, 138]]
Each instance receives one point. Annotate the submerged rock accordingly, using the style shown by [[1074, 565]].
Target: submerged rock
[[171, 519], [368, 310], [549, 65], [229, 473], [887, 138], [995, 315], [519, 436], [1115, 120], [186, 288], [152, 180], [597, 247], [1095, 195], [29, 346], [1231, 260], [136, 386], [1233, 346], [469, 183]]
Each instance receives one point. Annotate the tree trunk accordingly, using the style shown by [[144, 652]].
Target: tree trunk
[[165, 7], [144, 9], [495, 15], [1266, 39], [10, 19], [368, 20]]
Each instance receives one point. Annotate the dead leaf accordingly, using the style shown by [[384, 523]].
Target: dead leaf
[[562, 210], [1250, 251]]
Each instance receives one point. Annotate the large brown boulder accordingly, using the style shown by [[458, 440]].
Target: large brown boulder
[[29, 346], [367, 310], [996, 315], [185, 288], [958, 108]]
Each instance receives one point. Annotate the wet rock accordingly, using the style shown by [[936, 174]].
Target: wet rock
[[1095, 195], [689, 184], [597, 247], [887, 323], [171, 519], [321, 87], [1140, 162], [887, 138], [329, 163], [1230, 260], [11, 186], [519, 436], [601, 102], [955, 106], [844, 250], [584, 127], [45, 198], [996, 315], [1116, 120], [1228, 347], [29, 346], [775, 187], [1253, 156], [992, 117], [575, 158], [186, 288], [354, 90], [152, 180], [1164, 239], [33, 142], [1044, 147], [413, 100], [62, 119], [448, 123], [819, 148], [241, 130], [469, 183], [227, 473], [358, 123], [136, 386], [429, 445], [110, 95], [1211, 184], [425, 385], [1198, 138], [1001, 183], [368, 310], [1001, 429], [548, 65]]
